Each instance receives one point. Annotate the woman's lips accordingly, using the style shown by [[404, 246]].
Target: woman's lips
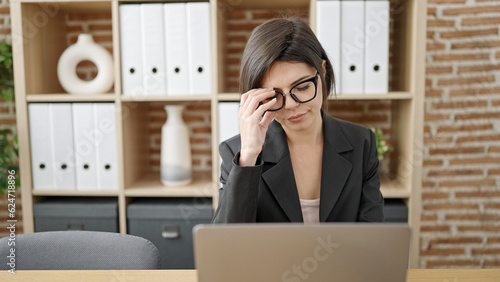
[[296, 118]]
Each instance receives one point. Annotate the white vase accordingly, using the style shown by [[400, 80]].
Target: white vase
[[85, 49], [176, 167]]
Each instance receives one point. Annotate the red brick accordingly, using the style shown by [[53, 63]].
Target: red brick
[[474, 217], [435, 46], [442, 252], [468, 183], [489, 251], [339, 107], [475, 44], [478, 138], [494, 149], [431, 217], [430, 34], [440, 23], [5, 31], [492, 263], [497, 55], [456, 150], [428, 82], [495, 102], [437, 195], [430, 117], [483, 228], [484, 115], [431, 11], [482, 160], [76, 28], [450, 263], [202, 130], [456, 240], [455, 172], [5, 10], [451, 206], [438, 70], [459, 104], [89, 17], [466, 80], [427, 183], [479, 68], [474, 91], [494, 240], [7, 121], [435, 228], [235, 14], [242, 27], [432, 162], [471, 10], [201, 152], [198, 107], [458, 128], [461, 57], [492, 205], [100, 27], [433, 93], [480, 21], [438, 140], [469, 33]]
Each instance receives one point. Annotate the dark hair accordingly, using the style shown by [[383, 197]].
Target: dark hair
[[283, 39]]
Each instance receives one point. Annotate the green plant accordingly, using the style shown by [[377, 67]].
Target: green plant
[[8, 140], [382, 147]]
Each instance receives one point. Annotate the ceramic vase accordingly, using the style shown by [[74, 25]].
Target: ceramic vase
[[85, 49], [176, 167]]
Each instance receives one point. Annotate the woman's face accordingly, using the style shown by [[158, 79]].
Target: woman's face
[[283, 76]]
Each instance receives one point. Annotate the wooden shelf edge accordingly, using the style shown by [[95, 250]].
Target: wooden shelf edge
[[93, 193], [394, 190], [63, 97], [185, 98], [151, 186]]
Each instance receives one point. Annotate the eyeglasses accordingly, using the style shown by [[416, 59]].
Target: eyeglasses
[[301, 92]]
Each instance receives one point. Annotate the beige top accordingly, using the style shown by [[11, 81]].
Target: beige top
[[310, 210]]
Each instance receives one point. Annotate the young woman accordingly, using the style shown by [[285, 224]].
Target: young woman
[[292, 162]]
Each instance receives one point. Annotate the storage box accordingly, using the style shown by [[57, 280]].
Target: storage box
[[75, 213], [395, 210], [168, 224]]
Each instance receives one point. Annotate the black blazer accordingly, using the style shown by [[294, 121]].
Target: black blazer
[[266, 192]]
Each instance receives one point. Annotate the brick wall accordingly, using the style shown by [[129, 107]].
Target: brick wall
[[461, 195], [461, 176]]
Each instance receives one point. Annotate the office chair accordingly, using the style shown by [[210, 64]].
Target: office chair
[[79, 250]]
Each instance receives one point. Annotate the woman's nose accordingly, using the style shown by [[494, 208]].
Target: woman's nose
[[290, 103]]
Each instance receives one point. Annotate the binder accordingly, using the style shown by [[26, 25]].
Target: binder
[[199, 48], [153, 49], [176, 49], [62, 144], [228, 120], [85, 146], [107, 167], [131, 50], [328, 32], [352, 51], [376, 47], [42, 159]]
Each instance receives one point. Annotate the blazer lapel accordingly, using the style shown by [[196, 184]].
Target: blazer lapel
[[336, 169], [280, 178]]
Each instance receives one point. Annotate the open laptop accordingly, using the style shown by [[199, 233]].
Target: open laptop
[[301, 252]]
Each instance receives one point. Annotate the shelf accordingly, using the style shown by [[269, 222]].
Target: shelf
[[397, 95], [392, 189], [264, 4], [185, 98], [62, 97], [94, 193], [151, 186]]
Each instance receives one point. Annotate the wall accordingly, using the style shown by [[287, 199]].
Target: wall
[[461, 176]]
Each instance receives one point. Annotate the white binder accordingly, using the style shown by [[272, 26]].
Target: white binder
[[64, 153], [42, 159], [176, 48], [199, 48], [85, 146], [131, 50], [228, 120], [153, 49], [328, 32], [105, 124], [376, 47], [352, 51]]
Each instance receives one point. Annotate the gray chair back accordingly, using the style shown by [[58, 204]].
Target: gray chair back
[[79, 250]]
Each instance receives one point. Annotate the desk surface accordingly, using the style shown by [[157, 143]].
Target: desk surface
[[414, 275]]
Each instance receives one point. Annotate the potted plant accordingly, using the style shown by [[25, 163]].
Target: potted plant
[[8, 140], [382, 147]]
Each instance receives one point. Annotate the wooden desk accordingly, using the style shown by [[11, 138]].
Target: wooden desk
[[414, 275]]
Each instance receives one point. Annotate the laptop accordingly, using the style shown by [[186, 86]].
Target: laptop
[[292, 252]]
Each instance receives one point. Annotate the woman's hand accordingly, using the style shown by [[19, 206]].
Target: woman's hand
[[254, 121]]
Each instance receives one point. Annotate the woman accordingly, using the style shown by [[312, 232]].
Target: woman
[[292, 162]]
